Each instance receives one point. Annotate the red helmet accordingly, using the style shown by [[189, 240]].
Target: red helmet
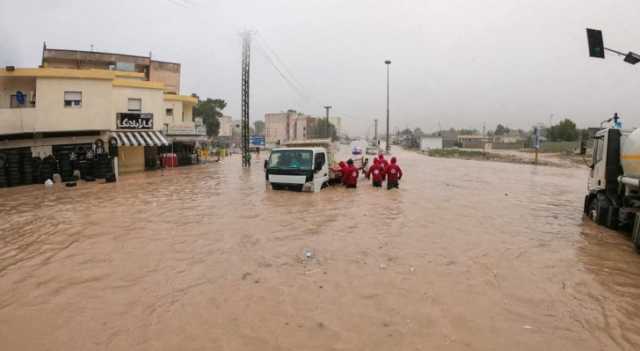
[[393, 160]]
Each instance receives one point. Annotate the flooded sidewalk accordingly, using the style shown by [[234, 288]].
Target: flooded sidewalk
[[466, 255]]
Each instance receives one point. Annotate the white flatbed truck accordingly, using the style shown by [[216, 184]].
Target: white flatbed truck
[[307, 165]]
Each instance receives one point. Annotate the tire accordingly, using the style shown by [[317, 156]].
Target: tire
[[599, 209], [635, 233]]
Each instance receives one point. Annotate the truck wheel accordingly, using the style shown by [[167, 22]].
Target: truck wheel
[[612, 217], [587, 203], [635, 234], [599, 209]]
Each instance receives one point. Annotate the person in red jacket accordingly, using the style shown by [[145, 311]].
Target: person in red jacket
[[394, 174], [343, 171], [383, 162], [376, 173], [350, 178]]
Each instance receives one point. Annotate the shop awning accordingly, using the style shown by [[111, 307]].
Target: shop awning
[[144, 138]]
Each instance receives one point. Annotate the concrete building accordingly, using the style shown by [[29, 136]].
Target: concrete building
[[287, 126], [76, 99], [474, 141], [431, 142], [226, 126]]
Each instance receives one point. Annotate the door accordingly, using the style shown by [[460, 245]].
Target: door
[[321, 171], [597, 179]]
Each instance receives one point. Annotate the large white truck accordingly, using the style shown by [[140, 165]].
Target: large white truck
[[613, 197], [308, 165]]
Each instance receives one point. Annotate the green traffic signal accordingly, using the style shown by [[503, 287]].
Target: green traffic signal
[[596, 44]]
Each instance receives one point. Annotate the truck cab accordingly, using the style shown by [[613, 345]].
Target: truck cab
[[607, 199], [298, 168]]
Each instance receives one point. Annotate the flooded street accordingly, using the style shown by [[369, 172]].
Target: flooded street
[[466, 255]]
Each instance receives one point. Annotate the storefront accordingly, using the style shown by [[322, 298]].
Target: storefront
[[187, 139], [138, 144]]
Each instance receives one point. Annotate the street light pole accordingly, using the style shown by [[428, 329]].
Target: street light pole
[[388, 146], [327, 126]]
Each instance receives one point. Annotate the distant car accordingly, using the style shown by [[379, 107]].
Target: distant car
[[356, 150], [372, 150]]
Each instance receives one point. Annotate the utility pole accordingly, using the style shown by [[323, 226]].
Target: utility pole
[[327, 126], [388, 146], [375, 130], [246, 63]]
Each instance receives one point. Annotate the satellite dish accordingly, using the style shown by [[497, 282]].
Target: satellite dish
[[20, 97]]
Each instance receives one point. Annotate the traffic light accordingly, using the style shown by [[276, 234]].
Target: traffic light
[[596, 44]]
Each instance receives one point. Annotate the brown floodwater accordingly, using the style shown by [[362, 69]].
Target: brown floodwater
[[466, 255]]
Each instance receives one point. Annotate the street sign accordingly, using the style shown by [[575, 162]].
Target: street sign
[[256, 141]]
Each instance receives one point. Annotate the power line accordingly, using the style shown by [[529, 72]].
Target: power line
[[281, 62], [271, 57]]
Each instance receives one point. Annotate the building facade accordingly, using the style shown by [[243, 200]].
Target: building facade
[[287, 126], [78, 99]]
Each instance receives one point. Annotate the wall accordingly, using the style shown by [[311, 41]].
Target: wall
[[52, 115], [152, 102], [17, 120], [168, 73], [508, 146], [559, 146], [276, 127], [430, 143], [187, 112], [177, 112], [226, 126], [130, 159], [9, 86]]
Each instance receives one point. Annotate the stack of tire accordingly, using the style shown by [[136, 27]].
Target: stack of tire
[[66, 169], [13, 168], [87, 170], [37, 175], [102, 166], [27, 168], [3, 173], [48, 167]]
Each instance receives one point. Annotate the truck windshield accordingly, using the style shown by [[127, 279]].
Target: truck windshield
[[291, 159]]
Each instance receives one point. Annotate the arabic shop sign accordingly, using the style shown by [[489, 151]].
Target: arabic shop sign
[[134, 120], [186, 129]]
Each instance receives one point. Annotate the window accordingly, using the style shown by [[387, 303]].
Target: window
[[14, 103], [599, 151], [291, 159], [319, 160], [169, 112], [134, 105], [72, 99]]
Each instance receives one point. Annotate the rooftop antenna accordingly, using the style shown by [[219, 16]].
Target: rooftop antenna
[[91, 45]]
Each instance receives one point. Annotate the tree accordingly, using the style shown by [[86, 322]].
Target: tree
[[501, 130], [259, 127], [210, 110], [419, 133], [318, 129], [564, 131]]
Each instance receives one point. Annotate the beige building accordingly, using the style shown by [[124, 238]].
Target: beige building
[[76, 99], [226, 126], [286, 126]]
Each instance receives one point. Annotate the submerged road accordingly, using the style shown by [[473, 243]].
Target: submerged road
[[465, 255]]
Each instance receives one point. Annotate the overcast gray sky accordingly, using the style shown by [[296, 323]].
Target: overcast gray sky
[[458, 62]]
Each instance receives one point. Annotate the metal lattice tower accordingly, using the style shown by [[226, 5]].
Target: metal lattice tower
[[246, 62]]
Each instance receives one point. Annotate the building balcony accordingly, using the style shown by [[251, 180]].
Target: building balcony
[[18, 120]]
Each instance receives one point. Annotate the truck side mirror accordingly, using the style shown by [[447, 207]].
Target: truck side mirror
[[266, 163]]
